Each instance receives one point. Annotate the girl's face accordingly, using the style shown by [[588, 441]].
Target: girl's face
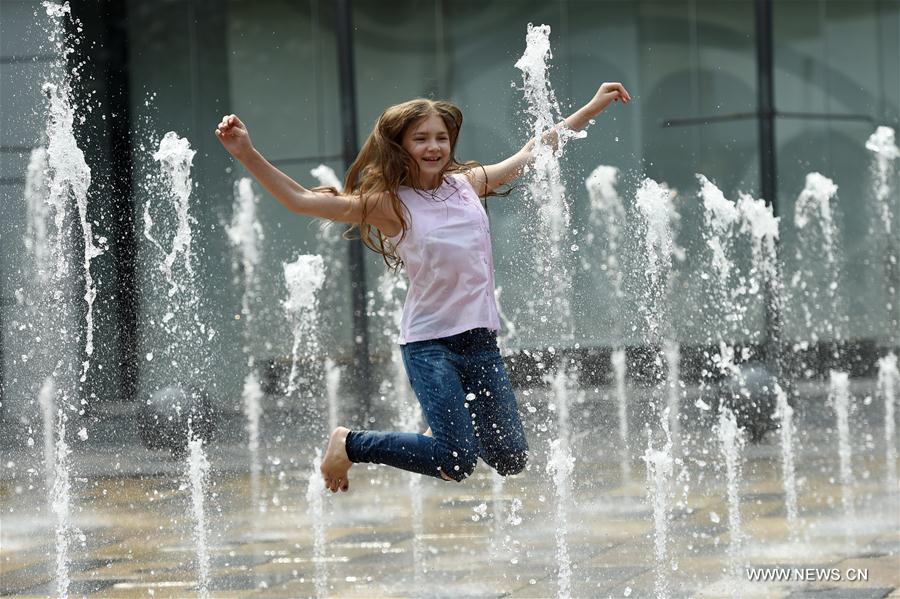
[[428, 142]]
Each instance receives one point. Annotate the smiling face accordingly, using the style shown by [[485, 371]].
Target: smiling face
[[428, 142]]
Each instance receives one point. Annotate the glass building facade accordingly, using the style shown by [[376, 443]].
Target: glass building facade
[[691, 66]]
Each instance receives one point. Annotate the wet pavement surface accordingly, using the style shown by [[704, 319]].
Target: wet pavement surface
[[484, 537]]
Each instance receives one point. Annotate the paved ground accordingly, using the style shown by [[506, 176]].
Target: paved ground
[[474, 539]]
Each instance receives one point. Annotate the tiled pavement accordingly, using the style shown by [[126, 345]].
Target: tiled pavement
[[133, 515]]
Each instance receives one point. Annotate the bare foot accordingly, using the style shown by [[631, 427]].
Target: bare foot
[[335, 464], [428, 432]]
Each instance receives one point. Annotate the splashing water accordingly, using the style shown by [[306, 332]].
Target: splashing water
[[759, 221], [815, 201], [510, 333], [303, 278], [839, 398], [731, 441], [197, 475], [785, 415], [672, 352], [252, 403], [315, 507], [70, 176], [37, 195], [619, 365], [327, 177], [608, 213], [332, 391], [720, 216], [660, 471], [245, 235], [657, 212], [175, 158], [885, 153], [542, 106], [560, 466], [60, 504], [889, 391], [46, 402]]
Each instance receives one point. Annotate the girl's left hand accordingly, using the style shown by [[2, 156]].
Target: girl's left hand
[[609, 93]]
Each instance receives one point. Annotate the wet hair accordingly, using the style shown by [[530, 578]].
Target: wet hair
[[383, 165]]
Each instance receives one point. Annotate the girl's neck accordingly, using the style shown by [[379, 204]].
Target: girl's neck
[[431, 184]]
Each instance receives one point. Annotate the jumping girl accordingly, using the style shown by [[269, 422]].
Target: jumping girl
[[414, 204]]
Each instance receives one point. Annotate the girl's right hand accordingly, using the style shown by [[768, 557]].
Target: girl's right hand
[[234, 136]]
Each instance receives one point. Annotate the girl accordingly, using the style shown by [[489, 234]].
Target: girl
[[417, 206]]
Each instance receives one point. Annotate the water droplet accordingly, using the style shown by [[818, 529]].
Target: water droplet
[[149, 356]]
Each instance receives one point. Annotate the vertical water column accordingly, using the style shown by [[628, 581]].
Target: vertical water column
[[548, 193], [70, 174], [68, 179], [330, 245], [657, 213], [885, 154], [60, 503], [619, 365], [315, 509], [731, 443], [817, 233], [197, 474], [303, 278], [607, 214], [888, 386], [839, 398], [720, 218], [660, 476], [246, 235], [784, 413]]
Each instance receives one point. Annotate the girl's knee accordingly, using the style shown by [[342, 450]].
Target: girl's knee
[[457, 463], [512, 463]]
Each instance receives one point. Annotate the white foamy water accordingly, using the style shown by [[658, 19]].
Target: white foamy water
[[327, 177], [197, 478], [37, 196], [888, 385], [560, 465], [246, 235], [839, 398], [61, 505], [759, 221], [510, 332], [619, 364], [607, 214], [814, 203], [546, 186], [655, 205], [315, 509], [47, 403], [332, 390], [303, 278], [175, 158], [252, 403], [784, 413], [70, 178], [731, 443], [660, 470], [672, 353], [720, 216], [885, 153]]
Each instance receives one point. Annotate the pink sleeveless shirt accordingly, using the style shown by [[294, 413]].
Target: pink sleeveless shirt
[[447, 253]]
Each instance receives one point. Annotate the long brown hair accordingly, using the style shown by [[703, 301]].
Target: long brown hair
[[383, 165]]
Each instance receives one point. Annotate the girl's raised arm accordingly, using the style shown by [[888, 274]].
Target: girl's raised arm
[[494, 175], [233, 135]]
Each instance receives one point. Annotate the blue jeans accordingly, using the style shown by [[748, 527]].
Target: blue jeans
[[467, 400]]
